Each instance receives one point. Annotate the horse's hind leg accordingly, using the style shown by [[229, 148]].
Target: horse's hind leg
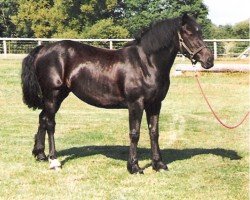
[[38, 150], [51, 106], [47, 123]]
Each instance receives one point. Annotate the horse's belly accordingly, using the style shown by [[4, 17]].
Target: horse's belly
[[104, 94], [102, 101]]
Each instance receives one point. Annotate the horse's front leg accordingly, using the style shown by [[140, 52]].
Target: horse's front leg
[[152, 113], [135, 116]]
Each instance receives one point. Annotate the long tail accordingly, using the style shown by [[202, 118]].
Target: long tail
[[32, 95]]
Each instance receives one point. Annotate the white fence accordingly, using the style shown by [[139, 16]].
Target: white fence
[[220, 47]]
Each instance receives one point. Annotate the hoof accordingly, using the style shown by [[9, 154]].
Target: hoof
[[134, 169], [140, 171], [54, 164], [39, 155], [159, 166]]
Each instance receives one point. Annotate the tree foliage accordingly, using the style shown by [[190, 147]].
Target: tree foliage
[[101, 18], [8, 8], [44, 18], [241, 29], [106, 29], [142, 12]]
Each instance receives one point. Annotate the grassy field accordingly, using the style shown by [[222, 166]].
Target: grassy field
[[205, 160]]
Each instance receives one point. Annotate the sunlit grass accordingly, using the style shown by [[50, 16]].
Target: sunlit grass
[[206, 161]]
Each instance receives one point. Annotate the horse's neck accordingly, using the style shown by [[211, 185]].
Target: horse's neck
[[164, 58]]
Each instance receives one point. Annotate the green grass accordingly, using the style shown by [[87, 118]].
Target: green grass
[[205, 160]]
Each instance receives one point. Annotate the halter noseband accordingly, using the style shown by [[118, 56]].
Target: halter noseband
[[191, 54]]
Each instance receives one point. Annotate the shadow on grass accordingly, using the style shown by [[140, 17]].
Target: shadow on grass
[[121, 153]]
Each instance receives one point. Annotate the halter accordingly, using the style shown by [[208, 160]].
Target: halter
[[191, 54]]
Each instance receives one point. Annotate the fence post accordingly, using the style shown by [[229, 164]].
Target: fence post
[[39, 42], [4, 47], [111, 44], [215, 50]]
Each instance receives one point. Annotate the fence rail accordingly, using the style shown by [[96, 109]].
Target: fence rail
[[220, 47]]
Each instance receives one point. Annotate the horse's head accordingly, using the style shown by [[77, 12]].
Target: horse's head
[[191, 43]]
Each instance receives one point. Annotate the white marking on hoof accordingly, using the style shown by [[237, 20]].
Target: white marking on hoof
[[54, 164]]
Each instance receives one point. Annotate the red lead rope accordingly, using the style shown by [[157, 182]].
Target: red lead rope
[[215, 115]]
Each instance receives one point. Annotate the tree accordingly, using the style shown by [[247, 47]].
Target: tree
[[95, 10], [140, 13], [75, 18], [32, 19], [106, 28], [58, 18], [220, 32], [39, 18], [7, 9], [241, 30]]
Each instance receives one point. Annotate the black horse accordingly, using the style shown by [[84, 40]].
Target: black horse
[[135, 77]]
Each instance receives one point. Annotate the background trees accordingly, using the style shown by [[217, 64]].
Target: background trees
[[101, 18], [8, 8], [140, 13]]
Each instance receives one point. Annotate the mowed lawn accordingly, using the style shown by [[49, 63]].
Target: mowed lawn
[[205, 160]]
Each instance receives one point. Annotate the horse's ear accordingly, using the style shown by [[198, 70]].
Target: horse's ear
[[184, 18]]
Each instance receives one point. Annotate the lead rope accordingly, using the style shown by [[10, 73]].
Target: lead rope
[[212, 110]]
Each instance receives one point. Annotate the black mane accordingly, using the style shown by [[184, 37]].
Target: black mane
[[157, 36]]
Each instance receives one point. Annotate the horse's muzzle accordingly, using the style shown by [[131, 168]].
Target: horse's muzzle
[[208, 63]]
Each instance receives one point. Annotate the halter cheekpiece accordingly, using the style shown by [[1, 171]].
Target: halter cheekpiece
[[191, 53]]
